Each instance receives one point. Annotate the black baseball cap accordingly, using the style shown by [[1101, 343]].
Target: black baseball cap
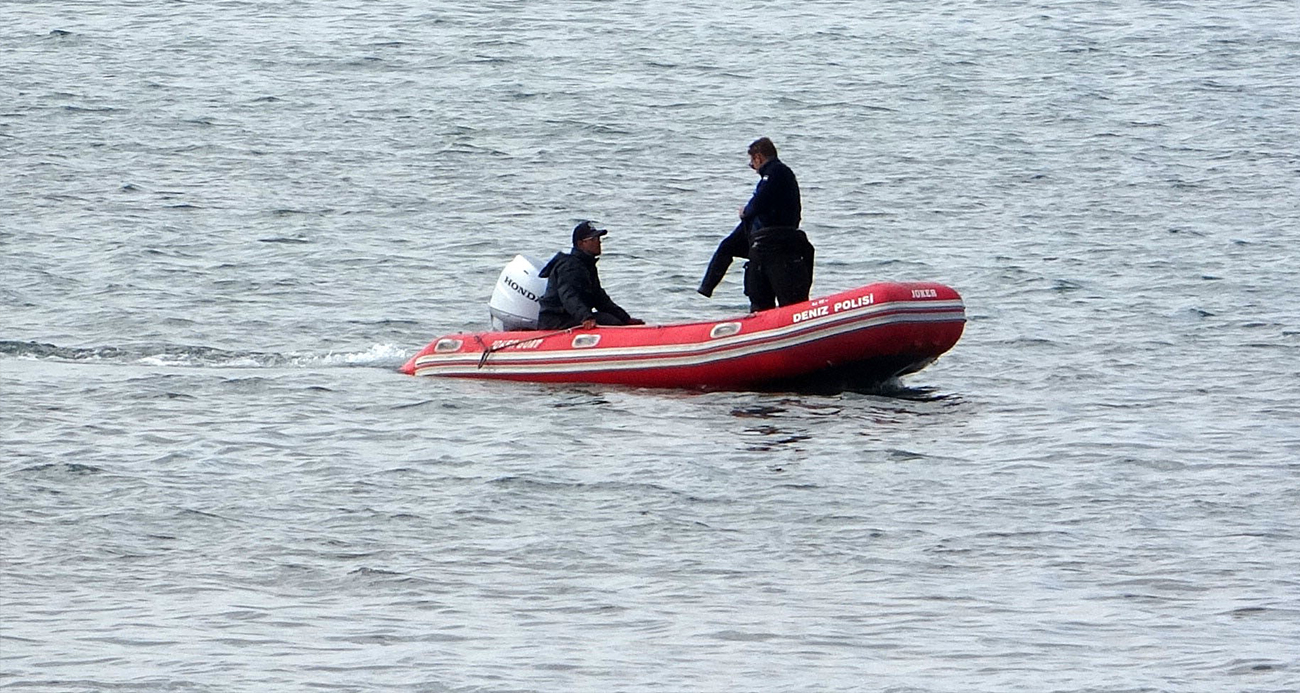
[[587, 230]]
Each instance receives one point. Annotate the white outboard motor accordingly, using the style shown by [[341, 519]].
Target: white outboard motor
[[515, 300]]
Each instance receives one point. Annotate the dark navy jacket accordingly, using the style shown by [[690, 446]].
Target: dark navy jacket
[[573, 292], [776, 198]]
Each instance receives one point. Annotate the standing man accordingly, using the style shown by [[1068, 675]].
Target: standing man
[[573, 295], [780, 258]]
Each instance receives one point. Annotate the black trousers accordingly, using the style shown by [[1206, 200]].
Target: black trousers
[[777, 280], [551, 321]]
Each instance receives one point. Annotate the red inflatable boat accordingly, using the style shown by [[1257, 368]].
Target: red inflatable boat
[[857, 337]]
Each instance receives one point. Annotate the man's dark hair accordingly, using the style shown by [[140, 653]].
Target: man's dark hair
[[764, 147]]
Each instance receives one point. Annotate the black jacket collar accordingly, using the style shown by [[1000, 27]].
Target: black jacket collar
[[584, 256], [768, 165]]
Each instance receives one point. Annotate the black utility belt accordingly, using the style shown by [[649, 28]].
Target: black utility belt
[[777, 237]]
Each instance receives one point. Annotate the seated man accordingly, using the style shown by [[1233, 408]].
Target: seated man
[[573, 295]]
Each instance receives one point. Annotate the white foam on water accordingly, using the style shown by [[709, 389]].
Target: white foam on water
[[378, 355]]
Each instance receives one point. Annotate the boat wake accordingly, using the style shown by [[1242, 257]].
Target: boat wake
[[387, 356]]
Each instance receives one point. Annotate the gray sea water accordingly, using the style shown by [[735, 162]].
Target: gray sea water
[[225, 224]]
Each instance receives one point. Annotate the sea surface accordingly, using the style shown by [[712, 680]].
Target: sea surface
[[224, 225]]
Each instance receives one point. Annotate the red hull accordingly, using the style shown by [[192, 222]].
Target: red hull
[[866, 334]]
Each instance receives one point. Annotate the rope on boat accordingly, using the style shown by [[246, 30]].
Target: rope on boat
[[488, 351]]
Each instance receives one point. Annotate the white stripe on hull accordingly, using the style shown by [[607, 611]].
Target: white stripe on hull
[[510, 362]]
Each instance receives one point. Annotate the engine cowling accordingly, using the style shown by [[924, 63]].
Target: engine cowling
[[516, 298]]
